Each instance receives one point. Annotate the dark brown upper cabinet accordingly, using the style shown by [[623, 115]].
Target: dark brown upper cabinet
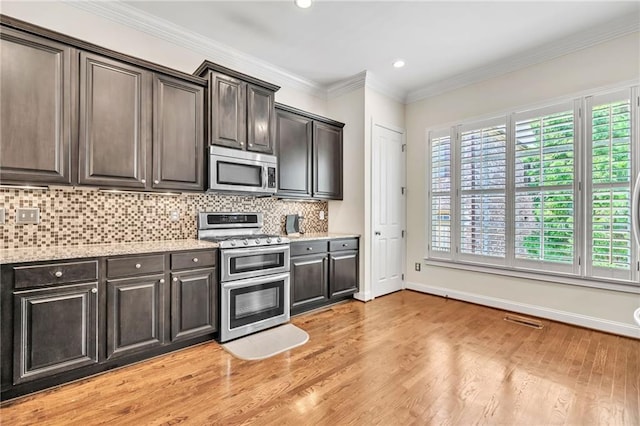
[[37, 80], [309, 150], [115, 122], [178, 135], [241, 113], [76, 113]]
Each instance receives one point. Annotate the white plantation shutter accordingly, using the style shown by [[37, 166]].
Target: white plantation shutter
[[483, 160], [544, 188], [609, 236], [440, 150]]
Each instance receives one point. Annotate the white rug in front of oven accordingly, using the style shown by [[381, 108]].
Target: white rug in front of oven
[[267, 343]]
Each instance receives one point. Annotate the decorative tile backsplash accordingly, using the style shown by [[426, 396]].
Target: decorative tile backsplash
[[73, 216]]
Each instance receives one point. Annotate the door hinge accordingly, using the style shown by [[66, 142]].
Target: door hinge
[[638, 267], [579, 261], [402, 277], [404, 147], [579, 186], [456, 249], [402, 189], [580, 112], [403, 233]]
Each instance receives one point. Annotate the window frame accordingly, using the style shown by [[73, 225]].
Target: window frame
[[580, 271]]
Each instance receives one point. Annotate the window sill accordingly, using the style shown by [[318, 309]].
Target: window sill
[[613, 285]]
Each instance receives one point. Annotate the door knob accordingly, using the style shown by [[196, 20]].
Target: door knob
[[377, 233]]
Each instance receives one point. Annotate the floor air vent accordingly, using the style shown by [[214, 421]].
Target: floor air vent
[[529, 322]]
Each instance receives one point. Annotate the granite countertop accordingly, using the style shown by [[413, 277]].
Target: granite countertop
[[308, 236], [38, 254]]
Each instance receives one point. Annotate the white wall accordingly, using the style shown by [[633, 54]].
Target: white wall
[[69, 20], [601, 65]]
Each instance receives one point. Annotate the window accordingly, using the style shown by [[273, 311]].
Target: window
[[540, 190]]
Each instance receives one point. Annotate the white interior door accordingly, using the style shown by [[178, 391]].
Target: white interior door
[[388, 210]]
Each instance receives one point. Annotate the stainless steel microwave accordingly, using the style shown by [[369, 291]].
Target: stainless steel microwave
[[235, 171]]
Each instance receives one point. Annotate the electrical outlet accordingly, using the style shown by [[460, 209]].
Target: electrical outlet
[[321, 214], [2, 216], [174, 216], [418, 266], [26, 216]]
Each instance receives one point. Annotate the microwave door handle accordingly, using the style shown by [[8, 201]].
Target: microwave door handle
[[265, 177]]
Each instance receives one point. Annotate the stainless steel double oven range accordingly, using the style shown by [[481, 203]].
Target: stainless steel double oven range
[[254, 273]]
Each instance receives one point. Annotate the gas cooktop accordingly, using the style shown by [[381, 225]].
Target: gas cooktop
[[236, 230]]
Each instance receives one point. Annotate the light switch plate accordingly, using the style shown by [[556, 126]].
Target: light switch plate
[[2, 216], [26, 216]]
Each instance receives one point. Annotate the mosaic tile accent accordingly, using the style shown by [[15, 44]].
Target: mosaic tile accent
[[73, 216]]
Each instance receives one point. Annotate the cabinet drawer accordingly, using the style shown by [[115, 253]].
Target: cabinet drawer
[[127, 266], [350, 244], [34, 276], [308, 247], [193, 259]]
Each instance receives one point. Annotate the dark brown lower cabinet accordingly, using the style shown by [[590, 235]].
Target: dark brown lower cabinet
[[309, 281], [325, 277], [135, 314], [194, 300], [344, 272], [55, 330]]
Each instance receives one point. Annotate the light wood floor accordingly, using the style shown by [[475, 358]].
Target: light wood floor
[[406, 358]]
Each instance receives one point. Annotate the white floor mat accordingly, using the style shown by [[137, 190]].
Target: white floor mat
[[267, 343]]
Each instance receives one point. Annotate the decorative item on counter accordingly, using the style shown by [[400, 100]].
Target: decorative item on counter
[[292, 225]]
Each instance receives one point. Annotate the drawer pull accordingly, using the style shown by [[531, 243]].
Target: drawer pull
[[138, 266], [94, 290], [58, 274], [161, 280], [195, 259]]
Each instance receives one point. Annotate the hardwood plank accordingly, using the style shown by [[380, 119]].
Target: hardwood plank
[[406, 358]]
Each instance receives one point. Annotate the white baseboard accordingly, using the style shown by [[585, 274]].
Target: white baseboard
[[595, 323], [363, 296]]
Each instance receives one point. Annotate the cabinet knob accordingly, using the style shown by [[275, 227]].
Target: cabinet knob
[[309, 248], [250, 144], [94, 290], [241, 143], [156, 181], [345, 244], [58, 274], [143, 181], [195, 259], [161, 280], [138, 266], [175, 279]]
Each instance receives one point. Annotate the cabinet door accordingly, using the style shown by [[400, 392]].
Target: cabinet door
[[228, 115], [194, 302], [134, 314], [35, 109], [115, 126], [327, 161], [294, 154], [309, 281], [178, 152], [55, 330], [344, 273], [261, 121]]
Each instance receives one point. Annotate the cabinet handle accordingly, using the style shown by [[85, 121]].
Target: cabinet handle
[[138, 266], [58, 274], [94, 290], [143, 181], [175, 279], [156, 181], [195, 259], [161, 280]]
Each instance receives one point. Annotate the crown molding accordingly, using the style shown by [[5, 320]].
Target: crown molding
[[578, 41], [223, 54], [347, 85], [386, 89]]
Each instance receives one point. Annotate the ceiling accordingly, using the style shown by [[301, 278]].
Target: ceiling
[[334, 40]]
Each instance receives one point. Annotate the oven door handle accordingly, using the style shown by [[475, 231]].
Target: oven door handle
[[256, 250], [255, 281]]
